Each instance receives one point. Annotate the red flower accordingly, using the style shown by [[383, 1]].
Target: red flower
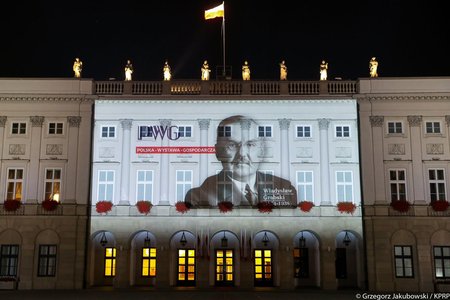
[[11, 204], [103, 206], [439, 205], [265, 207], [182, 207], [144, 206], [400, 205], [305, 206], [49, 205], [346, 207], [225, 206]]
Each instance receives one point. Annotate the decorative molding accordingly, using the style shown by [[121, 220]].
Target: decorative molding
[[126, 123], [204, 123], [106, 152], [54, 149], [435, 149], [276, 102], [323, 124], [16, 149], [2, 121], [284, 123], [376, 121], [447, 120], [165, 122], [47, 99], [406, 98], [415, 120], [37, 121], [343, 152], [74, 121], [396, 149], [304, 152]]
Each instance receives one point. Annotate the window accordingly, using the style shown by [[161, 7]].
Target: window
[[344, 186], [397, 182], [436, 180], [433, 127], [55, 128], [19, 128], [224, 131], [110, 262], [184, 131], [108, 131], [395, 127], [47, 261], [186, 267], [263, 267], [9, 260], [224, 267], [14, 184], [301, 263], [52, 184], [305, 186], [264, 131], [148, 262], [342, 131], [441, 262], [224, 185], [105, 185], [403, 262], [340, 263], [183, 184], [303, 131], [144, 185]]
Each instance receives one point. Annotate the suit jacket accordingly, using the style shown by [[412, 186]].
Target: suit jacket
[[218, 188]]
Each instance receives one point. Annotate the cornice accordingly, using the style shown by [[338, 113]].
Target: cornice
[[45, 99], [404, 97], [274, 101]]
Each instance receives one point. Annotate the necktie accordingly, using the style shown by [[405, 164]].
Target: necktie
[[249, 195]]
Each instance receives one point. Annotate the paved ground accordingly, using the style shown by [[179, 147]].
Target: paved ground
[[216, 294]]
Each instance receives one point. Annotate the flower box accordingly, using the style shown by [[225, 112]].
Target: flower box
[[439, 205], [103, 207], [265, 207], [225, 206], [49, 205], [346, 207], [400, 205], [12, 204], [182, 207], [305, 206], [144, 206]]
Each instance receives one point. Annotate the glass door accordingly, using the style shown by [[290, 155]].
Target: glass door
[[186, 267], [224, 267], [263, 267]]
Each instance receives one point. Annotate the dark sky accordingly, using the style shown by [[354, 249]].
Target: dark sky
[[42, 38]]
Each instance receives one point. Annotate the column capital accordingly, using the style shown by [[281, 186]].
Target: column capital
[[415, 120], [245, 124], [376, 121], [126, 123], [323, 124], [37, 121], [165, 122], [284, 123], [74, 121], [204, 123], [2, 121]]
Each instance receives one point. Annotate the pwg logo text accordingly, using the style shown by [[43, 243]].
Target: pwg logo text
[[169, 132]]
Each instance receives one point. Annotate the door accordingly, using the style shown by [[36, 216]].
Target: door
[[263, 267], [186, 267], [224, 267]]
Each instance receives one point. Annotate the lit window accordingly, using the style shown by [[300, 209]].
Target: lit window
[[184, 131], [441, 262], [224, 131], [397, 182], [144, 185], [55, 128], [110, 262], [403, 262], [263, 266], [395, 127], [18, 128], [344, 186], [9, 260], [183, 183], [148, 262], [303, 131], [342, 131], [186, 267], [47, 261], [14, 184], [436, 179], [52, 184], [433, 127], [264, 131], [305, 186], [108, 132], [105, 185], [224, 267]]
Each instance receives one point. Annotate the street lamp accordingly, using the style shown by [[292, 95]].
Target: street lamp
[[183, 240], [103, 240], [302, 241], [147, 241], [265, 239], [346, 239], [224, 240]]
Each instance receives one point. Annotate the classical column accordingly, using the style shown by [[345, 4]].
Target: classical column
[[415, 123], [204, 126], [164, 169], [125, 162], [284, 144], [72, 159], [35, 151], [2, 133], [378, 162], [324, 162]]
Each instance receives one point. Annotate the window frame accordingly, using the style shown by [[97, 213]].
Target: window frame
[[297, 127], [224, 131], [265, 130], [20, 125], [113, 259], [344, 184], [308, 185], [342, 128], [182, 133], [186, 185], [397, 182], [108, 131], [56, 129], [145, 183], [14, 181], [52, 182], [106, 183], [45, 259], [433, 128], [403, 257], [442, 258], [12, 260], [150, 258], [396, 125], [438, 183]]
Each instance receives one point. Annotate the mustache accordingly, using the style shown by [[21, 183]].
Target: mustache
[[241, 160]]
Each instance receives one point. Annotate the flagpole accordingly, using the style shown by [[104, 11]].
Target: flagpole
[[223, 33]]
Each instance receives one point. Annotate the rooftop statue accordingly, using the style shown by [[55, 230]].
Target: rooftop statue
[[283, 71], [323, 70], [373, 66], [77, 67], [128, 71], [205, 70], [166, 71], [245, 71]]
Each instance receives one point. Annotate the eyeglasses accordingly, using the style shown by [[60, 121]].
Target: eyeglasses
[[235, 146]]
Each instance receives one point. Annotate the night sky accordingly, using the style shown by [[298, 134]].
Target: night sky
[[42, 38]]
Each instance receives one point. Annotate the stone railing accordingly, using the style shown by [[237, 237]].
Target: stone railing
[[226, 87]]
